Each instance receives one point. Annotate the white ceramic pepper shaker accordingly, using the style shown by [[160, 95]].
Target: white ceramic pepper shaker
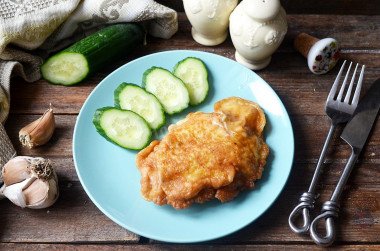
[[257, 29], [209, 19]]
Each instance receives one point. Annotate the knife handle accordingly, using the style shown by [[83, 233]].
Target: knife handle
[[330, 209], [307, 199], [345, 174]]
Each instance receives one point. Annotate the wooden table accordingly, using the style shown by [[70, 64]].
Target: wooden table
[[74, 222]]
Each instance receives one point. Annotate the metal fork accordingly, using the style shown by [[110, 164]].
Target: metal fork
[[339, 111]]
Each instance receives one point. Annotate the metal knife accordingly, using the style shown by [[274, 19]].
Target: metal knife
[[355, 133]]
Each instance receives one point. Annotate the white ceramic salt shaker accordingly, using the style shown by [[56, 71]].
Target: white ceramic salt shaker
[[209, 19], [257, 28]]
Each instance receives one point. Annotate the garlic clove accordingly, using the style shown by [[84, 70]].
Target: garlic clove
[[16, 170], [36, 192], [14, 192], [51, 195], [39, 131]]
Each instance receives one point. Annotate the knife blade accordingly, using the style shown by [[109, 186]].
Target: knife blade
[[357, 130], [355, 134]]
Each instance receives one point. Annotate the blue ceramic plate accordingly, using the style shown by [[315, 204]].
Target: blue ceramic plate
[[109, 175]]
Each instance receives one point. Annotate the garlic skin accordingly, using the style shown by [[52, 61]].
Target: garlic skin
[[18, 172], [39, 131], [30, 182]]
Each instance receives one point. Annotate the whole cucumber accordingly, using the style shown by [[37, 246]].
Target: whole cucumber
[[88, 55]]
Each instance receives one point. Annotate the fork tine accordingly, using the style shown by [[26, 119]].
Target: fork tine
[[355, 100], [348, 94], [336, 83], [340, 95]]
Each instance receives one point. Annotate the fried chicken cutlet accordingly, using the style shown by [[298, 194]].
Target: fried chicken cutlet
[[206, 156]]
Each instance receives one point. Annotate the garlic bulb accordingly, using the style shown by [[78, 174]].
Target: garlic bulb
[[30, 182], [38, 132]]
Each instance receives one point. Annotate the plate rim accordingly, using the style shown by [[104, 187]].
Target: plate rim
[[166, 239]]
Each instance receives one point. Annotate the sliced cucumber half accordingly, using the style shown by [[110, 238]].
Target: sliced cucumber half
[[169, 90], [91, 53], [124, 128], [66, 68], [193, 73], [133, 97]]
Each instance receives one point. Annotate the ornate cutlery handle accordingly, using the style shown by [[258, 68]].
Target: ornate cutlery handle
[[330, 209], [307, 199], [305, 203]]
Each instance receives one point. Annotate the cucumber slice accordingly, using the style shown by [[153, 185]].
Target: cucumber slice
[[65, 68], [90, 54], [134, 98], [193, 73], [121, 127], [169, 90]]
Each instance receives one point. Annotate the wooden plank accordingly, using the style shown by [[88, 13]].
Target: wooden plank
[[309, 132], [73, 218], [82, 221], [287, 74], [346, 7], [165, 246], [350, 7], [358, 220], [361, 192], [301, 173], [353, 33], [302, 92], [60, 145]]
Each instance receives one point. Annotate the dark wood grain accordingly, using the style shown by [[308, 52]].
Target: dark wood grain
[[118, 247], [75, 223], [309, 132], [346, 7], [74, 218], [287, 74]]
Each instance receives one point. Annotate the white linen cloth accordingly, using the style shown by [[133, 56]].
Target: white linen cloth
[[50, 25]]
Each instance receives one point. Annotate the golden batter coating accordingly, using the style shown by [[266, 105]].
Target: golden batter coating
[[205, 156]]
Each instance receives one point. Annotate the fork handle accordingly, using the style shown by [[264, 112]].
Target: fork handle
[[330, 209], [321, 159], [305, 204], [307, 199]]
